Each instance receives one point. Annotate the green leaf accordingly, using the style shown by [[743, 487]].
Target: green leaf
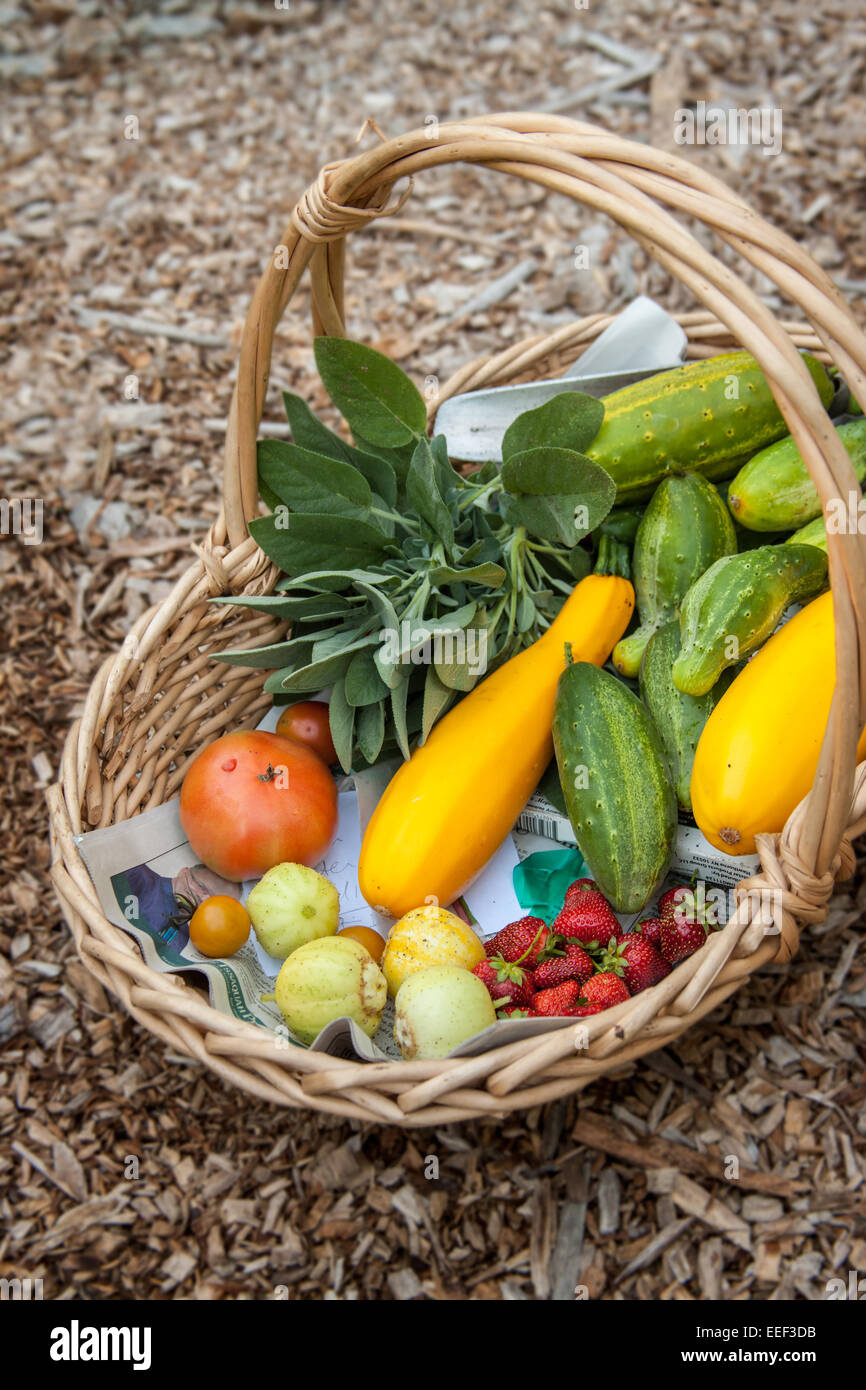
[[570, 420], [270, 658], [490, 575], [310, 542], [544, 472], [341, 716], [437, 698], [298, 608], [371, 731], [308, 482], [375, 397], [364, 685], [563, 517], [422, 490], [268, 496], [309, 678], [397, 458], [399, 697], [459, 675], [310, 433]]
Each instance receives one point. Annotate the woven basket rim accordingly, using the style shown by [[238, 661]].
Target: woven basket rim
[[800, 865]]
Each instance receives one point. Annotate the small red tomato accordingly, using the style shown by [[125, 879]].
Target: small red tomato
[[309, 722], [219, 926], [253, 800]]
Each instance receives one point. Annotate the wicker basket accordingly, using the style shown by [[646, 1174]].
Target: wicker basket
[[156, 702]]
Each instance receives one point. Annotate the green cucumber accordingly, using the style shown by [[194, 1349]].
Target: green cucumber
[[616, 783], [773, 491], [679, 718], [710, 416], [815, 533], [737, 604], [683, 531]]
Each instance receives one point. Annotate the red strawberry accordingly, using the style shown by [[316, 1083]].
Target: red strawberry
[[585, 1010], [505, 981], [637, 961], [681, 938], [514, 1011], [580, 885], [525, 942], [576, 964], [551, 1003], [606, 989], [685, 903], [589, 919], [650, 930]]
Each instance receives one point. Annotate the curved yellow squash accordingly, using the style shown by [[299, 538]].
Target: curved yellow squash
[[757, 755], [448, 808]]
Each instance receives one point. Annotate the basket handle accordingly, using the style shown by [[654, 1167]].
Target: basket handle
[[630, 183]]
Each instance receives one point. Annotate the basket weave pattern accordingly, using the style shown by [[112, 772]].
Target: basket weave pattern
[[155, 703]]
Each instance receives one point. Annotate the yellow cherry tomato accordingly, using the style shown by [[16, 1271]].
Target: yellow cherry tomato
[[368, 938], [219, 926]]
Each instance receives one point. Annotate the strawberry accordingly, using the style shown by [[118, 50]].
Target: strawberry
[[504, 981], [637, 962], [606, 989], [585, 1010], [576, 964], [580, 885], [514, 1011], [684, 902], [551, 1003], [650, 930], [525, 942], [589, 920], [681, 937]]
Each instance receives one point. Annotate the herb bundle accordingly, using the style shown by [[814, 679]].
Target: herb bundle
[[406, 582]]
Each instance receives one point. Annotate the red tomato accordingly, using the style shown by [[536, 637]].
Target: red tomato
[[309, 723], [253, 800]]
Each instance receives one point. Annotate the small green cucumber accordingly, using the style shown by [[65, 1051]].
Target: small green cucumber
[[685, 529], [773, 491], [679, 718], [616, 783], [737, 604], [709, 415], [814, 533]]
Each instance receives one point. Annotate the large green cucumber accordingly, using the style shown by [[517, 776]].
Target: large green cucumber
[[616, 784], [736, 605], [710, 416], [683, 531], [679, 718], [773, 491]]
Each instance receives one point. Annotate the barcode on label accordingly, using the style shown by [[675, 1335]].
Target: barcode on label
[[540, 825]]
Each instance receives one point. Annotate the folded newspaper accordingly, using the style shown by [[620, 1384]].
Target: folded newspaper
[[140, 866]]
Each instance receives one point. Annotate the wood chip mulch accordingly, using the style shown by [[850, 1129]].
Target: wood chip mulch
[[731, 1166]]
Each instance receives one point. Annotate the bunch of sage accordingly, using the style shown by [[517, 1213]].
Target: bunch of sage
[[405, 581]]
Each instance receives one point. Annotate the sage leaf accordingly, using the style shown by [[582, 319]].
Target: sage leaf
[[298, 608], [399, 697], [570, 420], [374, 396], [341, 717], [371, 731], [312, 677], [270, 658], [364, 685], [308, 482], [437, 698], [422, 490], [489, 575], [311, 541]]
